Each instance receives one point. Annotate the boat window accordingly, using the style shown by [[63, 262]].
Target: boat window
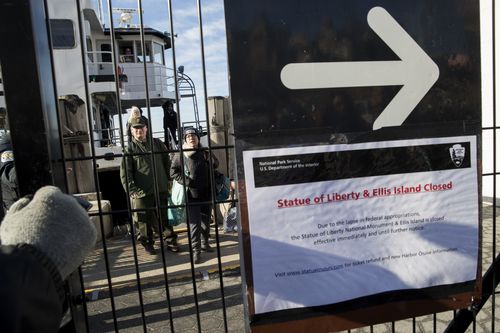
[[127, 52], [62, 33], [158, 53], [106, 53], [139, 51]]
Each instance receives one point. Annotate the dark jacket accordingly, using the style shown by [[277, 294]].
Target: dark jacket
[[140, 167], [8, 179], [31, 291], [170, 122], [197, 177]]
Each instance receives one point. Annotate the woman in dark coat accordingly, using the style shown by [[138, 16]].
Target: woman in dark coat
[[197, 179]]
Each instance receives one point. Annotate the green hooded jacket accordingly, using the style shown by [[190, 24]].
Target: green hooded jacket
[[137, 162]]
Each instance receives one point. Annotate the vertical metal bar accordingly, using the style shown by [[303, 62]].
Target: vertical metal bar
[[150, 130], [214, 205], [74, 282], [150, 138], [31, 103], [174, 63], [143, 46], [179, 128], [94, 167], [64, 180], [158, 205], [122, 142], [84, 301], [494, 219], [31, 98]]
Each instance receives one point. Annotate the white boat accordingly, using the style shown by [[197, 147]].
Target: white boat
[[93, 61], [87, 57]]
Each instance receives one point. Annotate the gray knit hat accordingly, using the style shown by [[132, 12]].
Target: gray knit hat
[[55, 223], [190, 130]]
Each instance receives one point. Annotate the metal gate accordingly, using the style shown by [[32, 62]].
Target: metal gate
[[120, 287]]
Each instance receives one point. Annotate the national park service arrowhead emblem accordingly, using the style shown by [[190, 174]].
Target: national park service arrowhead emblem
[[457, 154]]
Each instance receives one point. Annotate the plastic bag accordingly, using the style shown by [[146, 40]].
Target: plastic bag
[[222, 186], [177, 215], [230, 221]]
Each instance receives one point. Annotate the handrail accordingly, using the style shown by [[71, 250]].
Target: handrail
[[114, 134], [92, 57]]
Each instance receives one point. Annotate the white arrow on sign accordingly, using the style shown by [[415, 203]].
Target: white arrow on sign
[[416, 71]]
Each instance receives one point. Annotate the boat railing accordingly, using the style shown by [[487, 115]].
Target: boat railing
[[131, 76], [99, 63], [110, 137], [133, 81]]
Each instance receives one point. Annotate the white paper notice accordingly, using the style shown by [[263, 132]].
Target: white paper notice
[[334, 223]]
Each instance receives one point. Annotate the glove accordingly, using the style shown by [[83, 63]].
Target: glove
[[53, 222]]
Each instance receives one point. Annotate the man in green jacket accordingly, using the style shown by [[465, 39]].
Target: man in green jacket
[[136, 173]]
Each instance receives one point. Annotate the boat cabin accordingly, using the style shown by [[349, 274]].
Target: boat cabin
[[112, 85], [115, 64], [131, 62]]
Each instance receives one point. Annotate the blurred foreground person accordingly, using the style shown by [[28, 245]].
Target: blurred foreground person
[[43, 239], [8, 176]]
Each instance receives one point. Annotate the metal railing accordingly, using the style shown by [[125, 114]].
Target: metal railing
[[459, 321], [125, 289], [160, 78], [113, 137]]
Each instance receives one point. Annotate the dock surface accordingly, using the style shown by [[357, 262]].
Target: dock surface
[[211, 282]]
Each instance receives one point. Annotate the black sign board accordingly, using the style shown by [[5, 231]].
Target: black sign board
[[265, 38], [304, 73]]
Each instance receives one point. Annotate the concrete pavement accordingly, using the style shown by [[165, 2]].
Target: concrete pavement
[[121, 259], [209, 285]]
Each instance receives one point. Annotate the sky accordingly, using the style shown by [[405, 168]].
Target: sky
[[187, 43], [188, 51]]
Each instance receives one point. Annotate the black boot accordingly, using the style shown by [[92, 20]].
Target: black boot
[[173, 247], [150, 249], [196, 257], [205, 247]]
